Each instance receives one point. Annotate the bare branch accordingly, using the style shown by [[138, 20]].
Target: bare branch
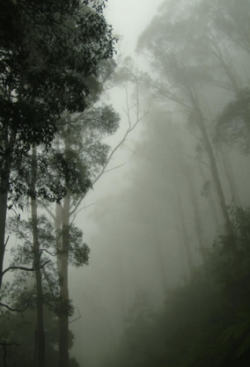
[[24, 268], [48, 252], [199, 160], [74, 210], [111, 169], [77, 318], [129, 130], [47, 209], [16, 309], [6, 242]]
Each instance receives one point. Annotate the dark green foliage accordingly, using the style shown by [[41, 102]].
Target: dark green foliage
[[203, 323], [48, 52], [23, 255], [78, 251], [20, 329]]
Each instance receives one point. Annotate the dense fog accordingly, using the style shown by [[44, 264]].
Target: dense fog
[[127, 235]]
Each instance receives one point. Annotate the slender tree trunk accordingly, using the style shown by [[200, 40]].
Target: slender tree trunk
[[3, 216], [4, 188], [231, 180], [39, 332], [213, 203], [64, 292], [215, 174], [185, 243], [196, 209], [160, 262]]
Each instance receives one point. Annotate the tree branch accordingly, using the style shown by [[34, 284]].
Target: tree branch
[[24, 268], [129, 130], [77, 318], [16, 309], [6, 242]]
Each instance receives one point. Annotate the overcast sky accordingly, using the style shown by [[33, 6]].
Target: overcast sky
[[129, 18]]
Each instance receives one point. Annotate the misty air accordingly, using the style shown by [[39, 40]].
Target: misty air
[[124, 197]]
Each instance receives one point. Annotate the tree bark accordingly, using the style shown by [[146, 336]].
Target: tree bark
[[64, 292], [39, 332], [3, 216], [4, 188]]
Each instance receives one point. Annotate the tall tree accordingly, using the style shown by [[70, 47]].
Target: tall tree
[[184, 68], [47, 50]]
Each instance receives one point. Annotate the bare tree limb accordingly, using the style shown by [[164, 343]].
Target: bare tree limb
[[131, 127], [199, 160], [111, 169], [47, 210], [48, 252], [6, 242], [24, 268], [18, 309], [86, 206], [77, 318]]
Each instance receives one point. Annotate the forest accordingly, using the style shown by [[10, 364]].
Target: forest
[[124, 203]]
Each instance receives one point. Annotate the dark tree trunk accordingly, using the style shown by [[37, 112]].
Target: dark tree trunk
[[196, 209], [215, 173], [184, 234], [6, 162], [3, 215], [231, 180], [39, 333], [64, 292]]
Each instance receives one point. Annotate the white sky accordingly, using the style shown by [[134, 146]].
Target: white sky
[[129, 18]]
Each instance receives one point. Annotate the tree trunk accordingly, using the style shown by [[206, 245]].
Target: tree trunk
[[213, 203], [215, 174], [160, 262], [196, 209], [39, 333], [4, 188], [64, 292], [3, 217], [231, 180], [181, 219]]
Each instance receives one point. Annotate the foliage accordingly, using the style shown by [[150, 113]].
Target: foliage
[[23, 255], [20, 329], [48, 52], [203, 323]]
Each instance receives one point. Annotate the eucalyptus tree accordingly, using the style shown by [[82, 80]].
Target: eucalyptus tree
[[47, 50], [189, 60], [80, 140]]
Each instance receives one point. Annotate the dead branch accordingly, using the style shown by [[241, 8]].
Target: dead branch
[[77, 318], [24, 268], [17, 309]]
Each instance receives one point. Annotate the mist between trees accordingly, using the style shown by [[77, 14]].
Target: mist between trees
[[167, 281]]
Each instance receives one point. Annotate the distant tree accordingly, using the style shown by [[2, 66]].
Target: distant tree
[[189, 62], [233, 123]]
